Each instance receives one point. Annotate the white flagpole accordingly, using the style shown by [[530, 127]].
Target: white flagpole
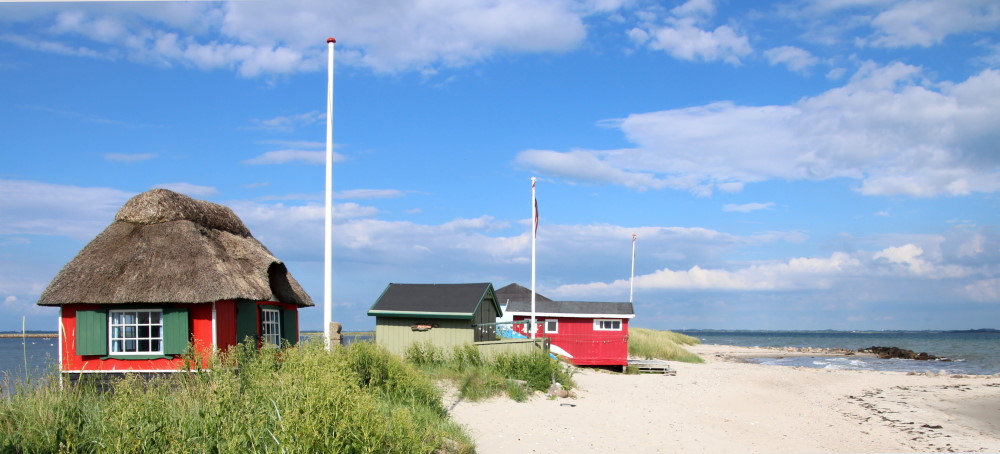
[[534, 233], [632, 277], [328, 226]]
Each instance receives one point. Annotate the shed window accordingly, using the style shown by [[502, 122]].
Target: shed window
[[270, 326], [138, 331], [552, 325], [607, 325]]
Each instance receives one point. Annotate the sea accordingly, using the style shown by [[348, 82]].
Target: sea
[[975, 352], [969, 352]]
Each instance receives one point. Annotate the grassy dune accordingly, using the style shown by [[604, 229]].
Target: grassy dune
[[477, 377], [668, 345], [357, 399]]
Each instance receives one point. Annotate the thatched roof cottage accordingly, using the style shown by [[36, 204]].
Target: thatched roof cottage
[[170, 271]]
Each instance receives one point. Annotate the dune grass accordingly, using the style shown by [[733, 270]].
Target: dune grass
[[653, 344], [358, 399], [478, 377]]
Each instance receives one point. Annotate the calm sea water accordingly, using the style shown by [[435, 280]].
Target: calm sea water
[[40, 354], [970, 352]]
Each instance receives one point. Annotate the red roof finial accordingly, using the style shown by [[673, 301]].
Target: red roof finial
[[331, 40]]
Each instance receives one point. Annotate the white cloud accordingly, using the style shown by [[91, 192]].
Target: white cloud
[[683, 39], [36, 208], [129, 157], [287, 156], [189, 189], [747, 207], [258, 38], [885, 128], [290, 122], [929, 22], [794, 58]]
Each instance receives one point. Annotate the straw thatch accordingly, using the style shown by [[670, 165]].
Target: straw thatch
[[166, 247]]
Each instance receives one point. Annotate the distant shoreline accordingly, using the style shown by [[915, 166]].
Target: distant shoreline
[[16, 335]]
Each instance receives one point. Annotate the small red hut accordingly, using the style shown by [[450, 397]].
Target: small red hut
[[588, 333], [169, 272]]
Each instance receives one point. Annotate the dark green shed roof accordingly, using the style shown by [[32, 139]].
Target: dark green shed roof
[[459, 301]]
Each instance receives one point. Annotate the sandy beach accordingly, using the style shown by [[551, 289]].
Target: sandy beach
[[726, 405]]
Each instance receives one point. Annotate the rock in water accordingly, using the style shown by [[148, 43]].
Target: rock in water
[[899, 353]]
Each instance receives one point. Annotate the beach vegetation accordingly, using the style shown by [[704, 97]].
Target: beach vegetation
[[358, 398], [656, 344], [479, 377]]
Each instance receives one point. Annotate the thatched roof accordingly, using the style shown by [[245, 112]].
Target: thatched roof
[[166, 247]]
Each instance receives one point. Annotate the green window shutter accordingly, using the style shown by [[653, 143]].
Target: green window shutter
[[246, 320], [92, 332], [290, 326], [175, 331]]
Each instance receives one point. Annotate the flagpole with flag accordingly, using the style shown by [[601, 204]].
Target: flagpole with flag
[[328, 225], [534, 233], [632, 277]]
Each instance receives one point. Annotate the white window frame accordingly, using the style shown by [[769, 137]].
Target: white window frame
[[270, 326], [600, 322], [554, 320], [126, 334]]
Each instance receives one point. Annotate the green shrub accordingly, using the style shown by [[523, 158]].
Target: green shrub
[[300, 399]]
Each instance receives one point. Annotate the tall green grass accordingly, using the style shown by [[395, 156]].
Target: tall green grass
[[356, 399], [478, 377], [654, 344]]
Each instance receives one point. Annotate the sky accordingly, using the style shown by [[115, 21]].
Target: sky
[[826, 164]]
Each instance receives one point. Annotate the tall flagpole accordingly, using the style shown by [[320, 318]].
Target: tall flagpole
[[534, 233], [328, 226], [632, 277]]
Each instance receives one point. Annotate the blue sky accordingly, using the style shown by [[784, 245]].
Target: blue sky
[[785, 165]]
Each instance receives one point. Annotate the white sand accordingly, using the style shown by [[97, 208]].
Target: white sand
[[726, 406]]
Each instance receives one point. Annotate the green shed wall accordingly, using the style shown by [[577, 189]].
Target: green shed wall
[[395, 334]]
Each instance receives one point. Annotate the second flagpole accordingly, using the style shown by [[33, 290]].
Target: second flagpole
[[534, 233]]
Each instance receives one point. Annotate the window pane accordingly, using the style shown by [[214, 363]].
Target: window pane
[[130, 345], [155, 346], [128, 317], [155, 317], [144, 346], [129, 332], [155, 332], [143, 331], [116, 346], [143, 317]]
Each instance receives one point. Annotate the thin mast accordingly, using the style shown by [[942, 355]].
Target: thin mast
[[632, 277], [534, 233], [328, 225]]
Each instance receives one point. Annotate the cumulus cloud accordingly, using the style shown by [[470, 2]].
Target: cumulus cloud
[[861, 273], [746, 207], [794, 58], [37, 208], [887, 128], [129, 157], [257, 38], [289, 122], [287, 156], [683, 38], [928, 22]]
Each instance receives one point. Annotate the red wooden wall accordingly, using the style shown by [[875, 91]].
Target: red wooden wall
[[577, 337]]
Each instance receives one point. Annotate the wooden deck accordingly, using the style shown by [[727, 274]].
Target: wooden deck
[[652, 366]]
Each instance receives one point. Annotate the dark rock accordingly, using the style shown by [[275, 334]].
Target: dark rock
[[898, 353]]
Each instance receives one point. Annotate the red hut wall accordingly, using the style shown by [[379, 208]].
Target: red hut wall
[[577, 336], [199, 325]]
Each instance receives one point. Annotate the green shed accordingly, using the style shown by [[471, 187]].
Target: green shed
[[445, 315]]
